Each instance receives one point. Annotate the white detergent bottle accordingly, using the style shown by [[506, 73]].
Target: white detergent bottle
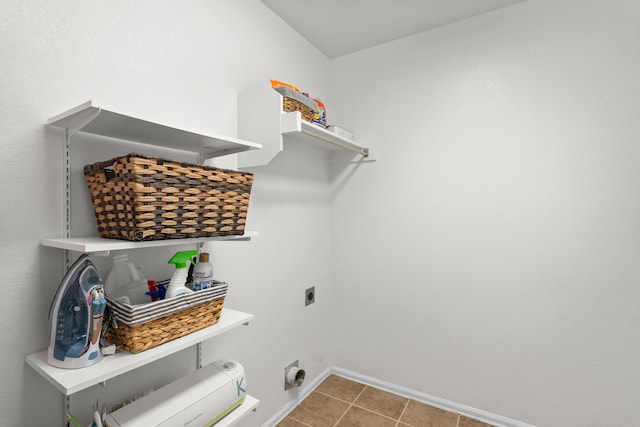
[[203, 273], [177, 283], [126, 283]]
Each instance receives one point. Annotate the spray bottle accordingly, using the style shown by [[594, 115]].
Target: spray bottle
[[177, 286]]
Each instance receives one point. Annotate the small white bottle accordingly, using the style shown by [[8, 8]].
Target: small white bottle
[[203, 273]]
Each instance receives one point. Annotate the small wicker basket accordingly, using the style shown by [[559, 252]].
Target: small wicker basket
[[145, 198], [141, 327], [289, 105]]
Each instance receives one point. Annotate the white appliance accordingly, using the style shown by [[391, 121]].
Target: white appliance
[[199, 399]]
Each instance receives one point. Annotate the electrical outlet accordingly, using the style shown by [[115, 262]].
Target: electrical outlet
[[310, 295]]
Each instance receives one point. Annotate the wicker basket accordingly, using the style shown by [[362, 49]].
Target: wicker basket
[[290, 104], [145, 326], [144, 198]]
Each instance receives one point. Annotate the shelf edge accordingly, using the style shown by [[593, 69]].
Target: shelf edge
[[97, 244], [87, 377], [82, 117], [291, 124]]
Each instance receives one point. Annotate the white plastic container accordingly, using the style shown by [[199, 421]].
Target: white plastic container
[[341, 132], [126, 283], [203, 273]]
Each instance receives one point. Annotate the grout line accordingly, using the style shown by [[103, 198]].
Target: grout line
[[377, 413], [353, 404], [333, 397], [350, 406], [297, 420], [406, 405]]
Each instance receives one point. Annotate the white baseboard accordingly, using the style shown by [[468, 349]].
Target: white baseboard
[[448, 405]]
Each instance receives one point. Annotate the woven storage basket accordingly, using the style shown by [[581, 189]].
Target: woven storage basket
[[145, 198], [290, 104], [145, 326]]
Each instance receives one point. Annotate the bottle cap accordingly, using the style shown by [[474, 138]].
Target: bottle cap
[[180, 259], [204, 257]]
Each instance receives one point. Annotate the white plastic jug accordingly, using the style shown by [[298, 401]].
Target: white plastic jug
[[126, 283]]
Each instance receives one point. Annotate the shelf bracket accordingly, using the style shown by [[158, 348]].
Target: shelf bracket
[[67, 409], [70, 130], [104, 253], [82, 121], [199, 355]]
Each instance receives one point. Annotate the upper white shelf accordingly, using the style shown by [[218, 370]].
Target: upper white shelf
[[261, 118], [292, 126], [105, 121], [100, 245], [70, 381]]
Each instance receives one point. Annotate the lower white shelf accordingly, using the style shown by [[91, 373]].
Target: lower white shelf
[[250, 404], [70, 381]]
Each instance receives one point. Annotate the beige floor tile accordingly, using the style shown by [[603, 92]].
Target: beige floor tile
[[470, 422], [340, 388], [358, 417], [318, 410], [373, 407], [382, 402], [290, 422], [419, 414]]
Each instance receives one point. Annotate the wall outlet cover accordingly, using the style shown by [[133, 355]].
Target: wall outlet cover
[[309, 296]]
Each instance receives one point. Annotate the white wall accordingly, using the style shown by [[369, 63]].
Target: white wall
[[291, 209], [489, 256], [182, 62]]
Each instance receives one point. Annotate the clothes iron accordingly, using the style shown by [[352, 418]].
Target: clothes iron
[[76, 317]]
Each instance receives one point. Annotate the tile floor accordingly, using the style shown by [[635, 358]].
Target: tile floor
[[339, 402]]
